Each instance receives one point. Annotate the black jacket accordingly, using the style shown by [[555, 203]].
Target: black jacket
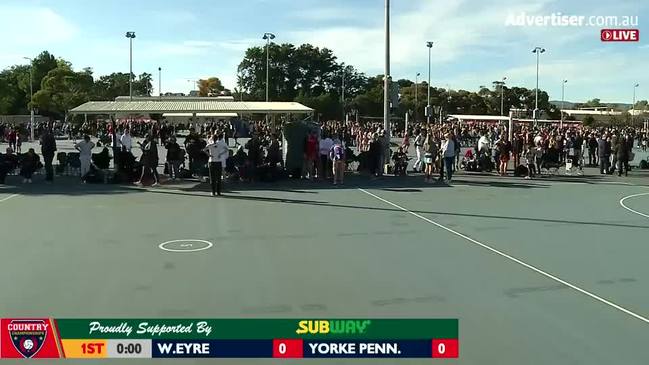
[[48, 144]]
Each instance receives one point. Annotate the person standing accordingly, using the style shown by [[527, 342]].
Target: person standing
[[274, 152], [517, 149], [337, 155], [85, 155], [505, 149], [623, 148], [13, 138], [174, 157], [448, 153], [419, 142], [325, 163], [615, 145], [149, 159], [592, 150], [604, 152], [430, 151], [218, 152], [48, 148], [126, 141]]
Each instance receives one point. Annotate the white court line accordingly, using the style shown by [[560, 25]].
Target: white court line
[[631, 210], [9, 197], [512, 258]]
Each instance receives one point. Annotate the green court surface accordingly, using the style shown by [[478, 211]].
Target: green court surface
[[538, 272]]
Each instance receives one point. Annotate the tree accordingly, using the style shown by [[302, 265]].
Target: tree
[[63, 89], [143, 86], [306, 71], [593, 103], [641, 105], [108, 87], [589, 121], [209, 87], [13, 98], [42, 65]]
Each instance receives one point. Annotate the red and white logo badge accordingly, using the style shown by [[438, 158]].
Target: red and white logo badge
[[620, 35], [27, 338]]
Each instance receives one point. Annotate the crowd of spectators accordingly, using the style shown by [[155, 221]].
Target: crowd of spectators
[[334, 147]]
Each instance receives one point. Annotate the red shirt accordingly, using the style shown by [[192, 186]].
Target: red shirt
[[311, 148]]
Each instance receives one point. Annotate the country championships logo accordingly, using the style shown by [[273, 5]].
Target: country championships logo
[[27, 336]]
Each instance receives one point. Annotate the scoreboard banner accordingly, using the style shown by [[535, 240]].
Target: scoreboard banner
[[49, 338]]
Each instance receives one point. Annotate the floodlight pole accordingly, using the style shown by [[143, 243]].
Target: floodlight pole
[[563, 98], [130, 36], [633, 106], [31, 97], [160, 81], [416, 94], [538, 51], [387, 80], [428, 108], [502, 96]]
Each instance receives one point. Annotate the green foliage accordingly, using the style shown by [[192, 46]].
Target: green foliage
[[589, 121], [304, 73]]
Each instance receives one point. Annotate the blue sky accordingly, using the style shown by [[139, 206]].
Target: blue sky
[[192, 39]]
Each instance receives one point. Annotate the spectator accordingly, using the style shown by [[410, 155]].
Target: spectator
[[218, 154], [430, 151], [419, 142], [604, 152], [48, 149], [325, 163], [28, 165], [175, 158], [149, 159], [85, 155], [504, 153], [623, 150], [448, 152], [337, 156], [8, 163], [126, 141]]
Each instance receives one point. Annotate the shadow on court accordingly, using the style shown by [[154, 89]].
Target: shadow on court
[[228, 196]]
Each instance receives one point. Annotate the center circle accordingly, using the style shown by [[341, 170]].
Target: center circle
[[185, 245]]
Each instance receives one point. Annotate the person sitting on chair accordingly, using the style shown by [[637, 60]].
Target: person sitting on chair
[[8, 163], [28, 165]]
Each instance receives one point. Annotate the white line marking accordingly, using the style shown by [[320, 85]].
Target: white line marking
[[9, 197], [163, 244], [631, 210], [512, 258]]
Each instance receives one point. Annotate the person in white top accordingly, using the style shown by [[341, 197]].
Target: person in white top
[[85, 155], [419, 142], [448, 151], [325, 163], [483, 144], [218, 152], [126, 141]]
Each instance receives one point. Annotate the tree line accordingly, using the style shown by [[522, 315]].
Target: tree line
[[307, 74]]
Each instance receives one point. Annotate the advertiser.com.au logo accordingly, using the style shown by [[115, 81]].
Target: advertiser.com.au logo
[[620, 35]]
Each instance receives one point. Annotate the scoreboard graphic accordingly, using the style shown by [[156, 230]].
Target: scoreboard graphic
[[48, 338]]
